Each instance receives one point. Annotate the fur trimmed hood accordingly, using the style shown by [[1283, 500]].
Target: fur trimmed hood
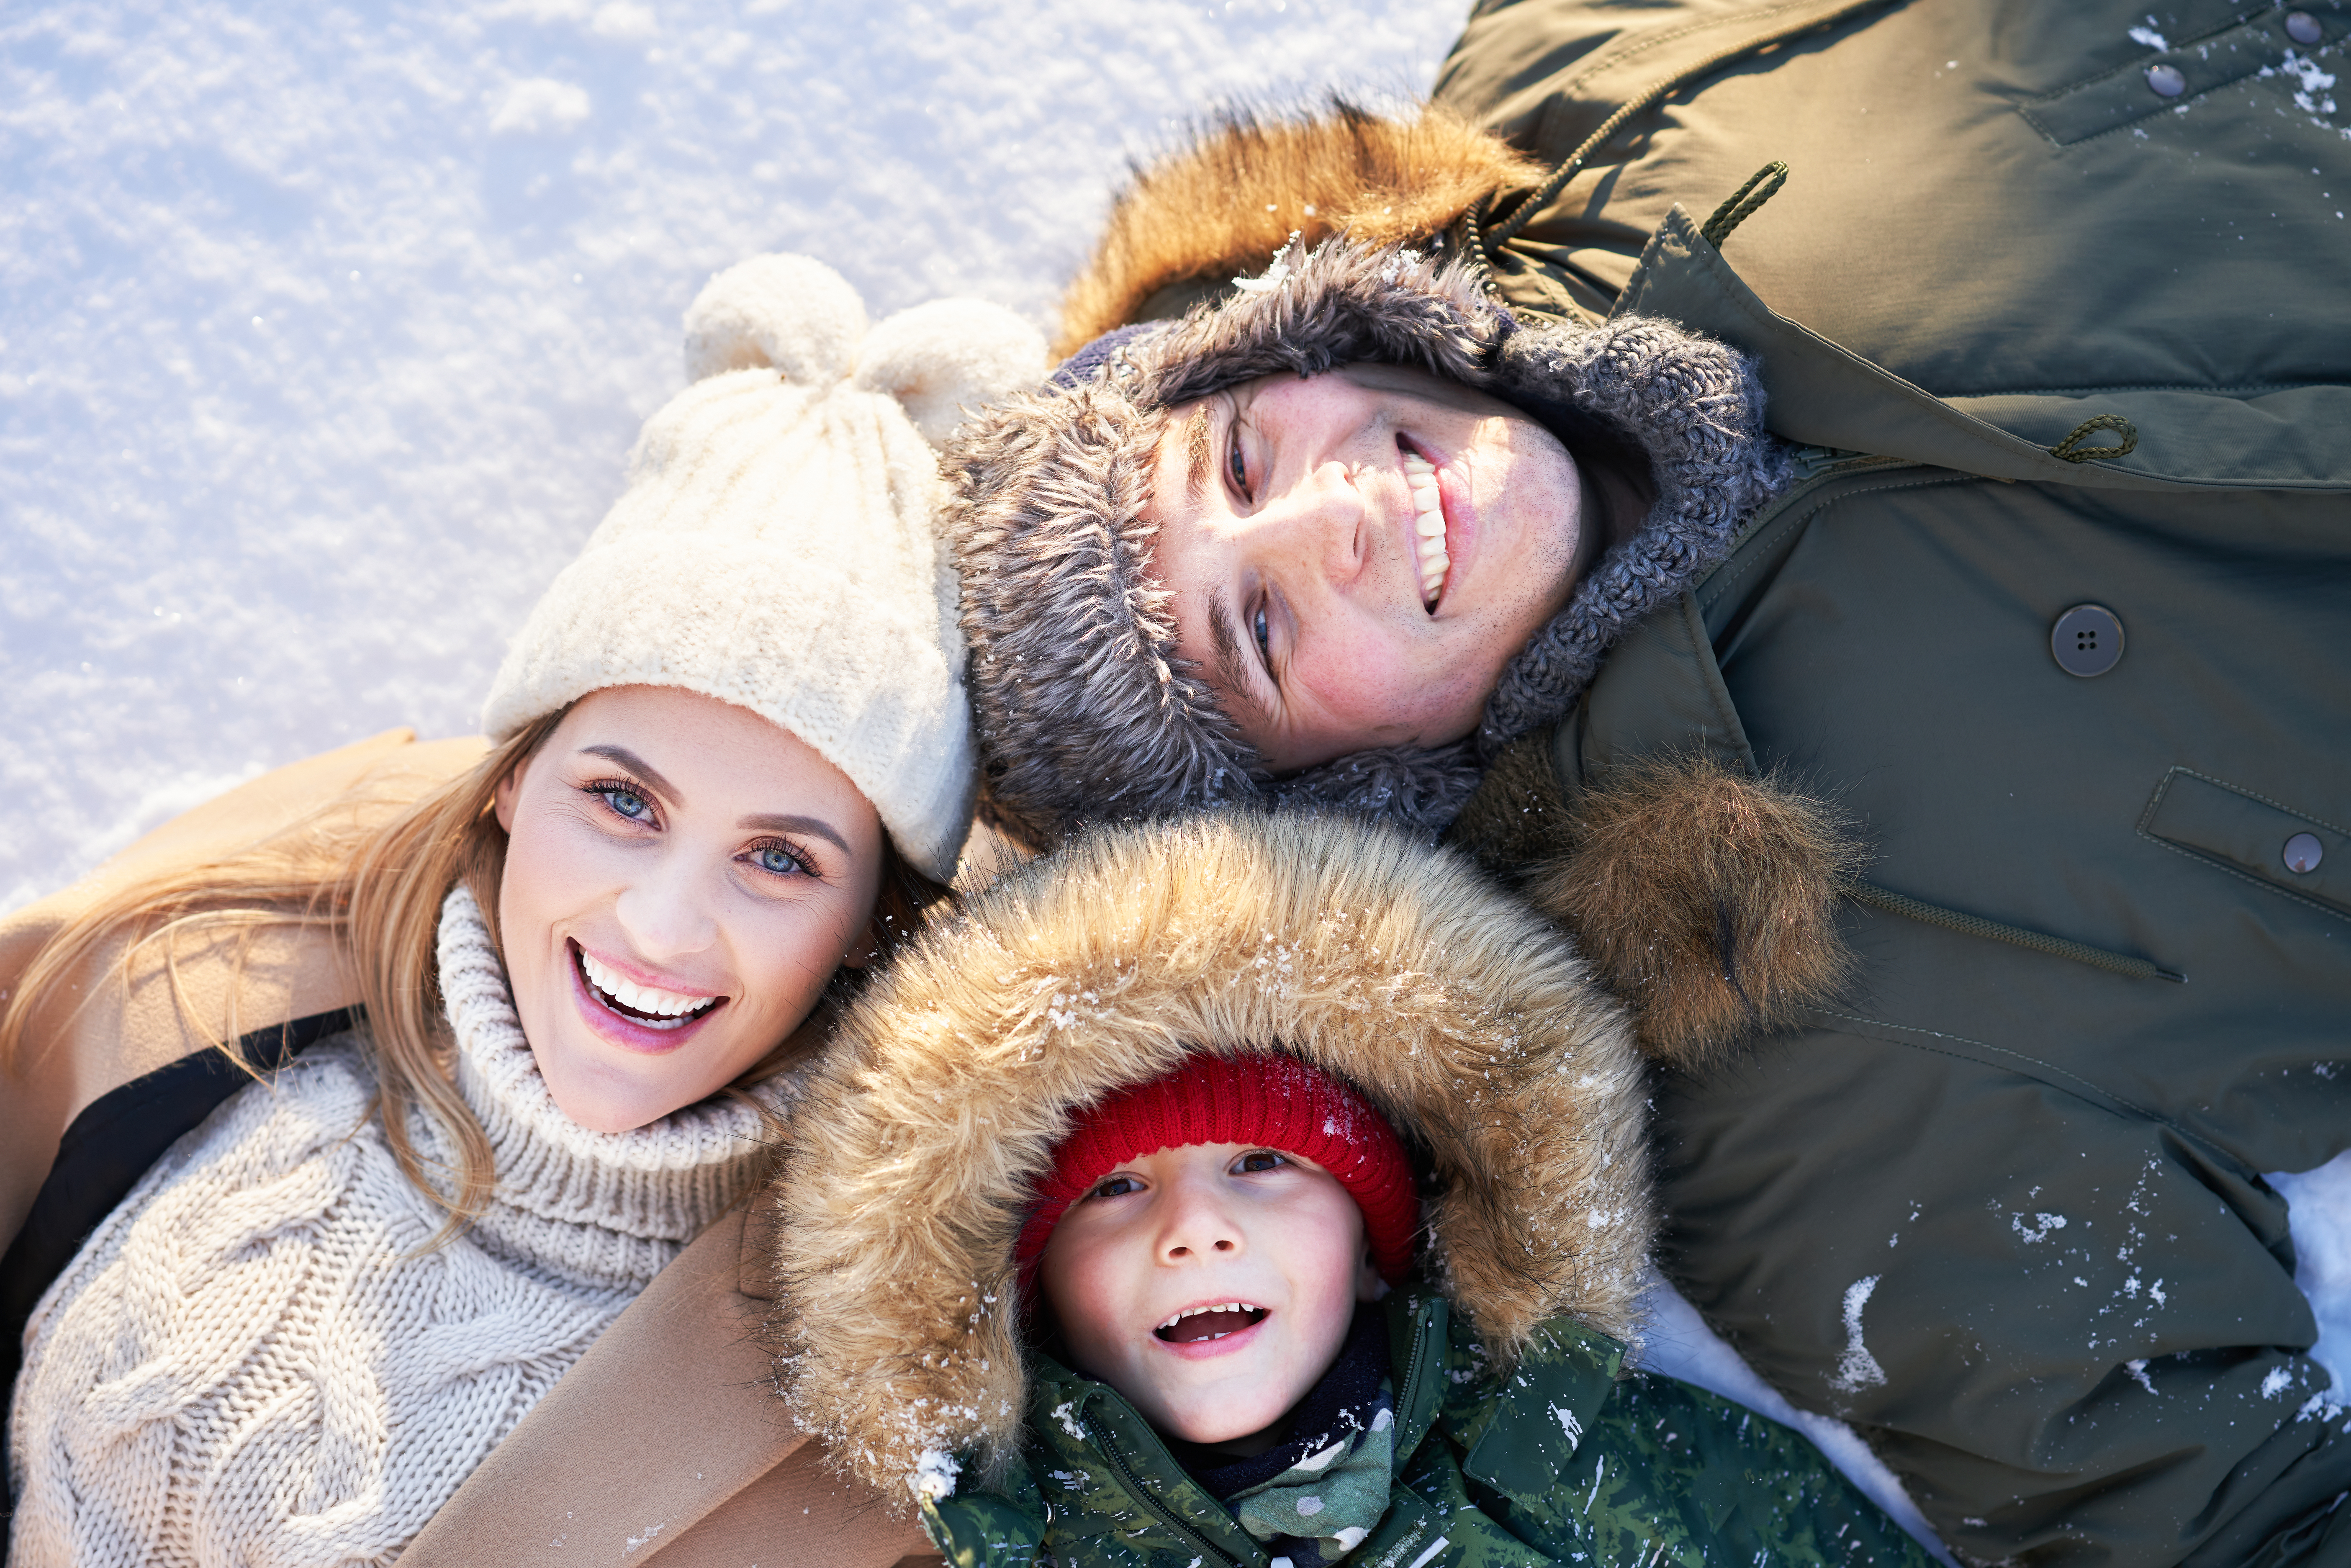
[[1399, 968], [1086, 712]]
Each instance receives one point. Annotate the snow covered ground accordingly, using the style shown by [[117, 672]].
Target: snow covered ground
[[327, 329]]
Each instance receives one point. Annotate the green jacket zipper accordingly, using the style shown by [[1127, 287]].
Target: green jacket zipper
[[1151, 1505]]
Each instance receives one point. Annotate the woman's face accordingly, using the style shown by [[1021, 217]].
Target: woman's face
[[682, 879]]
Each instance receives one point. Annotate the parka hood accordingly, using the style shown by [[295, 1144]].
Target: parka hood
[[1451, 1007]]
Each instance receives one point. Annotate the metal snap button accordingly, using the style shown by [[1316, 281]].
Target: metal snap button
[[2302, 853], [2303, 28], [2166, 80], [2088, 641]]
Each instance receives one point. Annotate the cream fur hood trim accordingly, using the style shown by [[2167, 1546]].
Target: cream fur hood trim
[[776, 546], [1457, 1012]]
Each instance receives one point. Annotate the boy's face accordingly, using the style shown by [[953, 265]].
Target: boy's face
[[1134, 1262], [1355, 556]]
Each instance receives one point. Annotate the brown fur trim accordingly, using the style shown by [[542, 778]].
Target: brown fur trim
[[1222, 207], [1707, 899], [1445, 1002]]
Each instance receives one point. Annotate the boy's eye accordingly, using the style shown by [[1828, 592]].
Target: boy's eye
[[1115, 1186], [1258, 1160]]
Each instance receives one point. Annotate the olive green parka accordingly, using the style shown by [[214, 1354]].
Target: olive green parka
[[2052, 335]]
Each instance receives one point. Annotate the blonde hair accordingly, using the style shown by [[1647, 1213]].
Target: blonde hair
[[379, 887]]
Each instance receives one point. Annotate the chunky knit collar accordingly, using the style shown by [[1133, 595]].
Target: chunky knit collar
[[605, 1210]]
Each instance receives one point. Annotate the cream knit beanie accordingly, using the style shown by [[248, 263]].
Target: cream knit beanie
[[776, 548]]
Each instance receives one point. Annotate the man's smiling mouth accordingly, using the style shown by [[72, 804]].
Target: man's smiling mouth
[[1427, 527], [1196, 1323]]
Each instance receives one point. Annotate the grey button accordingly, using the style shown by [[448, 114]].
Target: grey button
[[2088, 641], [2303, 28], [2302, 853], [2166, 81]]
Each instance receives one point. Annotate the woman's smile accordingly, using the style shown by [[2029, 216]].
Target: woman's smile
[[634, 1015]]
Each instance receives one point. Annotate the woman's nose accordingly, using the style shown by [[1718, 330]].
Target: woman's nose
[[666, 912]]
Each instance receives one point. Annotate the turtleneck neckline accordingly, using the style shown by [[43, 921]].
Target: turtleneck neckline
[[606, 1210]]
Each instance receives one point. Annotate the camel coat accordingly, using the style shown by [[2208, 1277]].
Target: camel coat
[[666, 1439]]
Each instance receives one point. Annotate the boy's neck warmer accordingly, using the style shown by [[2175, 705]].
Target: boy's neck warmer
[[1085, 711], [1338, 1410]]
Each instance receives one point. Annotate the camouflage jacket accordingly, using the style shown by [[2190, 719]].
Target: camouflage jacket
[[1568, 1459]]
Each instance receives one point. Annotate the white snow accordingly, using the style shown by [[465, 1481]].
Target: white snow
[[2320, 1218], [1676, 1342], [936, 1474], [328, 327], [1856, 1368]]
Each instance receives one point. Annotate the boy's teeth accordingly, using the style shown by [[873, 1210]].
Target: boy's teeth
[[636, 997], [1218, 1307], [1428, 527]]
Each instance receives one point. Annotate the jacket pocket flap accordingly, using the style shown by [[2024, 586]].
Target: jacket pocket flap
[[2252, 836]]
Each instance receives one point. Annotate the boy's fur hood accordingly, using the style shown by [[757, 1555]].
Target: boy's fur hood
[[1445, 1002]]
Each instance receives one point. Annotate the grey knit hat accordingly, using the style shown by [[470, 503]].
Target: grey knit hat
[[1085, 711]]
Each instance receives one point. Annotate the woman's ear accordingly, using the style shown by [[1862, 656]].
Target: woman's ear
[[502, 800]]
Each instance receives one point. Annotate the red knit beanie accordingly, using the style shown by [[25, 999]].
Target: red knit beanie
[[1273, 1102]]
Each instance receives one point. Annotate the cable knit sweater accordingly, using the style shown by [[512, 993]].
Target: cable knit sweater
[[253, 1361]]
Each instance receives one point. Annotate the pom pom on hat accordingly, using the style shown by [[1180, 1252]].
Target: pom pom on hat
[[776, 544], [1270, 1100]]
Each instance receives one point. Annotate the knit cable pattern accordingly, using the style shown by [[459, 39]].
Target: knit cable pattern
[[255, 1359]]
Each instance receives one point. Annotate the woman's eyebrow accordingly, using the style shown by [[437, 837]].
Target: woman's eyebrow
[[816, 826], [638, 765]]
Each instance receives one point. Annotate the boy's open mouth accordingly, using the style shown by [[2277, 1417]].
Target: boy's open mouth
[[1209, 1322], [641, 1004]]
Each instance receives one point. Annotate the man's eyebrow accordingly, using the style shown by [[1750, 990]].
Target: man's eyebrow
[[815, 826], [638, 765], [1232, 663], [1196, 456]]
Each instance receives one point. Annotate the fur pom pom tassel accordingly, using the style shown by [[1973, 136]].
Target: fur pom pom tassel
[[1706, 900]]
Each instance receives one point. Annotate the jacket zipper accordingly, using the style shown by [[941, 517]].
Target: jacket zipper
[[1141, 1495]]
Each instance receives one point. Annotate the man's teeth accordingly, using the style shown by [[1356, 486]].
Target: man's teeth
[[636, 997], [1428, 525], [1220, 1307]]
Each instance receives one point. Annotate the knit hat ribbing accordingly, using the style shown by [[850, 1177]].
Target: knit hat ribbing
[[776, 547], [1085, 711], [1270, 1100]]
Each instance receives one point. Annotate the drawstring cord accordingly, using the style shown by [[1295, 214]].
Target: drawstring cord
[[1892, 902]]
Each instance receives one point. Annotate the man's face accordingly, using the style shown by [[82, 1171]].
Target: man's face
[[1355, 556]]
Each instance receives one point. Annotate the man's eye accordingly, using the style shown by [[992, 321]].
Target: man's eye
[[1236, 463], [1261, 630]]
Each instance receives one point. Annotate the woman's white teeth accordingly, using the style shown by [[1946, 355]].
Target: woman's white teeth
[[637, 998], [1428, 524], [1219, 1307]]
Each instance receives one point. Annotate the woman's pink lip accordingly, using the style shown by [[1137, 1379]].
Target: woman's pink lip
[[626, 1034]]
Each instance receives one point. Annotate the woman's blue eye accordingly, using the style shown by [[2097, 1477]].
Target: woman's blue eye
[[778, 860], [628, 803]]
